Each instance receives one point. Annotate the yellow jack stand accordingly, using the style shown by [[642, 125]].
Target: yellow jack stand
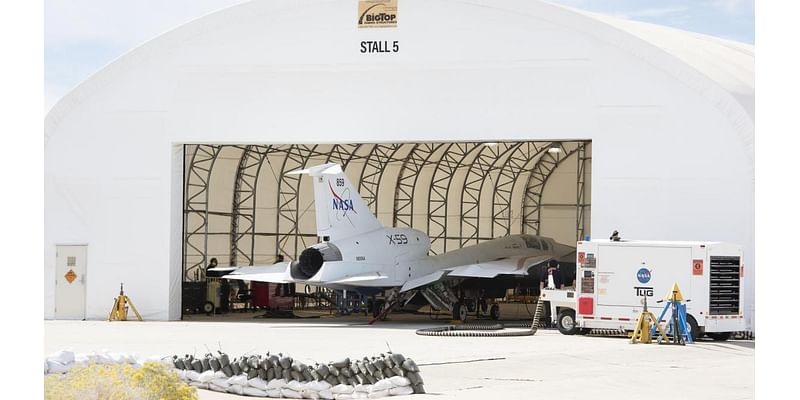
[[120, 310], [642, 332]]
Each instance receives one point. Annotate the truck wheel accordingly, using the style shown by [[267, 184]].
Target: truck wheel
[[460, 312], [208, 308], [566, 322], [494, 312], [719, 336], [695, 330]]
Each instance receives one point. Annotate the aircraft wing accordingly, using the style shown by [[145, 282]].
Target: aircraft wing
[[276, 273], [489, 269]]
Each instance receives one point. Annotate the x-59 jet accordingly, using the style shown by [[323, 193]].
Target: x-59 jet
[[358, 253]]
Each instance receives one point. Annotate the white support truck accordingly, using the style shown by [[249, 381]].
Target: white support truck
[[613, 277]]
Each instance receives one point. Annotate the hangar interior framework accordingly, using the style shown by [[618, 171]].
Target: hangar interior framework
[[241, 207]]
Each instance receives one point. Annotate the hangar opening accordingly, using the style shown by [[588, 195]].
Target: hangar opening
[[240, 207]]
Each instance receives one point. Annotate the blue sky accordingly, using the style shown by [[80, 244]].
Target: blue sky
[[83, 36]]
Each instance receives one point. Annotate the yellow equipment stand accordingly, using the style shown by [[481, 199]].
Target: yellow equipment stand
[[642, 332], [120, 310]]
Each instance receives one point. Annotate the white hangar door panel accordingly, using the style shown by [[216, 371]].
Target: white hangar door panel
[[70, 282]]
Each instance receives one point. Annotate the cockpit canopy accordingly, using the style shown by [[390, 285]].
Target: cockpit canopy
[[533, 242]]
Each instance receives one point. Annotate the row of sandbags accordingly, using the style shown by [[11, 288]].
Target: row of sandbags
[[387, 374], [62, 361]]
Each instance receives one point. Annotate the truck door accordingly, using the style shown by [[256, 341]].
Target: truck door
[[627, 273]]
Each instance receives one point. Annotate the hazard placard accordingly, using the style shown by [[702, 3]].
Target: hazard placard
[[70, 276], [697, 267], [581, 257]]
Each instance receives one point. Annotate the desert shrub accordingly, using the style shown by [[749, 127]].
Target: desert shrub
[[152, 381]]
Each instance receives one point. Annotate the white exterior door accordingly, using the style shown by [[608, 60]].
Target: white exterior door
[[70, 282]]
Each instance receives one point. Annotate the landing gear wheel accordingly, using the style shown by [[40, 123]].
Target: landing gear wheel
[[460, 312], [494, 312], [566, 322], [208, 308], [719, 336]]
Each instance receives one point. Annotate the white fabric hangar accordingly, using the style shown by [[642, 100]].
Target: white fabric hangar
[[670, 117]]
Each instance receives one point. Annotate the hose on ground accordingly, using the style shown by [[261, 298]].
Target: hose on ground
[[487, 330]]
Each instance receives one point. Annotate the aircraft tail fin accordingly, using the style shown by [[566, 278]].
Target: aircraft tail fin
[[341, 212]]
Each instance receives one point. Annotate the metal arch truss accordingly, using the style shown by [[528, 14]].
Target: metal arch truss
[[537, 180], [243, 215], [195, 213], [425, 179]]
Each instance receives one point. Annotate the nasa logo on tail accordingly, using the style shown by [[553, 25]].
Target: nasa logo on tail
[[342, 203]]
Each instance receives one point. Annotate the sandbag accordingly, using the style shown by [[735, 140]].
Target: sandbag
[[318, 386], [253, 373], [274, 393], [309, 394], [401, 391], [251, 391], [397, 358], [286, 362], [296, 386], [222, 383], [287, 374], [240, 380], [257, 383], [414, 378], [307, 376], [291, 394], [333, 370], [262, 374], [236, 389], [342, 389], [296, 375], [199, 385], [270, 374], [64, 357], [398, 371], [235, 368], [362, 388], [326, 394], [276, 384], [378, 394], [418, 389], [224, 359], [410, 365], [55, 367], [214, 364], [216, 388], [342, 363], [399, 381], [387, 372], [332, 380], [323, 371], [193, 376], [206, 377], [343, 396], [220, 375], [383, 384]]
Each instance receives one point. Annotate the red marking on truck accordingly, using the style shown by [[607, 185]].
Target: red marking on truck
[[624, 319], [606, 318], [587, 317]]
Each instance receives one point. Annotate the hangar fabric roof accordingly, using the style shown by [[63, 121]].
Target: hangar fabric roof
[[728, 63]]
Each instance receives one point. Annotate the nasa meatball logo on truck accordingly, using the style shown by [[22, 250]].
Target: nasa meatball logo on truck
[[377, 13], [643, 276]]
